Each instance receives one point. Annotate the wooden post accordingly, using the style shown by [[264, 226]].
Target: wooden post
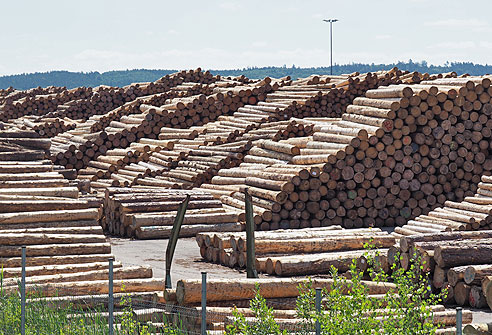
[[171, 244], [250, 237]]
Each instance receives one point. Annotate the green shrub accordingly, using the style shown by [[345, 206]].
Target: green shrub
[[347, 307]]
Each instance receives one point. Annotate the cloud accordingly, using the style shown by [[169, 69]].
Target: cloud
[[230, 5], [172, 32]]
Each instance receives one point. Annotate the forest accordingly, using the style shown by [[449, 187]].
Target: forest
[[125, 77]]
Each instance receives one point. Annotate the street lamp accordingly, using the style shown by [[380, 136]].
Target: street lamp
[[331, 42]]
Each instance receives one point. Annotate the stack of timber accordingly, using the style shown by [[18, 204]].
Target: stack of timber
[[459, 262], [280, 295], [147, 212], [396, 154], [145, 121], [473, 213], [105, 98], [196, 165], [299, 252], [121, 167], [199, 110], [45, 127], [39, 101], [67, 252]]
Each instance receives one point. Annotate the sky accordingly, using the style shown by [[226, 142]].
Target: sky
[[105, 35]]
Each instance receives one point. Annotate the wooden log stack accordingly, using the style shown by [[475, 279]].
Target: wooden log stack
[[298, 252], [45, 127], [280, 294], [473, 213], [39, 102], [457, 261], [149, 213], [67, 252], [385, 165]]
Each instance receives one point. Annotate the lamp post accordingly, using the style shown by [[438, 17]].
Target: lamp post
[[331, 42]]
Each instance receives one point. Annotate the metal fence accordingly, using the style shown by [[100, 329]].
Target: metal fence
[[128, 313]]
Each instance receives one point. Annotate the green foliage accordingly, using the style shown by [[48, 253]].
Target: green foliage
[[44, 318], [264, 322], [347, 307], [122, 78]]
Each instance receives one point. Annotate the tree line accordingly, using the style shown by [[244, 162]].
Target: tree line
[[122, 78]]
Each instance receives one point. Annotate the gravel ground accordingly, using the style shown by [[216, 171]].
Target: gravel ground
[[188, 263]]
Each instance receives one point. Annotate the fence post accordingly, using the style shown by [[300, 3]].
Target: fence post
[[459, 321], [110, 297], [173, 240], [250, 237], [204, 304], [318, 310], [23, 292]]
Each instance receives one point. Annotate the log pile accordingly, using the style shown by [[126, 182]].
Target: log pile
[[280, 295], [457, 261], [39, 101], [67, 252], [147, 212], [395, 154], [473, 213], [45, 127], [145, 121], [298, 252]]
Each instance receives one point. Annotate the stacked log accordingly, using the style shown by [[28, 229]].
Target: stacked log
[[150, 212], [67, 252], [384, 166], [198, 110], [473, 213], [41, 103], [220, 317], [456, 261], [147, 123], [280, 294], [105, 99], [45, 127], [297, 252], [114, 160]]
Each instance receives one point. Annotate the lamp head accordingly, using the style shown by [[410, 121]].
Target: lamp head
[[331, 20]]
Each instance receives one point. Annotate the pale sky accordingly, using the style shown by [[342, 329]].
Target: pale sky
[[87, 35]]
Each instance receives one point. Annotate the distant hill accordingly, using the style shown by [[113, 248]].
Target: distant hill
[[122, 78]]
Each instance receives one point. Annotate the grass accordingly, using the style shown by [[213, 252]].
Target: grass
[[45, 318]]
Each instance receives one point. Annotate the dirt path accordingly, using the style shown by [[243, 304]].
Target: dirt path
[[187, 261]]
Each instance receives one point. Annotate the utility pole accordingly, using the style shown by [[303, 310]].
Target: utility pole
[[331, 42]]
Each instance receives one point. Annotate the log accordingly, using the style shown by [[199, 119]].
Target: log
[[16, 239], [54, 250], [49, 216], [188, 291], [315, 263], [96, 287], [325, 244], [406, 241], [451, 256], [42, 270], [61, 192], [10, 262], [156, 219], [129, 272], [154, 232]]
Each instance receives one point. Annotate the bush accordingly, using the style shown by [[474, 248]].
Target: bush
[[347, 307]]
